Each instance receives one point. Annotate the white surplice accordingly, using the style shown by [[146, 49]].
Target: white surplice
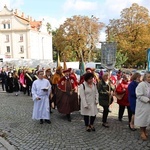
[[41, 108]]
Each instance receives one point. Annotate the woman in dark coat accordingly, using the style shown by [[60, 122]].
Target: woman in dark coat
[[135, 79], [122, 88], [105, 97], [10, 82]]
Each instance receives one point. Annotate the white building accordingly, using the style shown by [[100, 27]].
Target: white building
[[22, 37]]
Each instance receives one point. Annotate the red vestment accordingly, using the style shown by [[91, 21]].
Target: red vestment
[[62, 83]]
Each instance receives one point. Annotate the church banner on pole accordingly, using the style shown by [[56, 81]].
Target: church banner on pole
[[148, 59], [108, 54]]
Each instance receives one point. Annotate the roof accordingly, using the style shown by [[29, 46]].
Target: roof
[[22, 20], [35, 25]]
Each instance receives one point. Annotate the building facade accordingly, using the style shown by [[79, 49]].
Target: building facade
[[23, 38]]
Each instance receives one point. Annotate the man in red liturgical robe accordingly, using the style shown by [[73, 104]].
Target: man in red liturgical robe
[[67, 97]]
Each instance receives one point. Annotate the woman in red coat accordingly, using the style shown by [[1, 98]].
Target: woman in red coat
[[122, 88]]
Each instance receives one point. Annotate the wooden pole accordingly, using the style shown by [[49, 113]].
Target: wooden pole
[[109, 73]]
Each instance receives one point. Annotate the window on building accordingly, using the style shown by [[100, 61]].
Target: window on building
[[21, 37], [8, 49], [8, 25], [21, 49], [7, 38], [4, 26]]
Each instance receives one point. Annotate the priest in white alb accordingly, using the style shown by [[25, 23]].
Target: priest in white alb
[[41, 90]]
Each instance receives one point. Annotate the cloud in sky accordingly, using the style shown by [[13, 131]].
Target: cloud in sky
[[79, 5], [55, 23], [110, 9], [103, 9]]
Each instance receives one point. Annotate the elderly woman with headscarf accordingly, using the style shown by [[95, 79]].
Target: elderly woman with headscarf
[[142, 111]]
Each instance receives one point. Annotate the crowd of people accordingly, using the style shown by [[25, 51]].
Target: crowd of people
[[60, 89]]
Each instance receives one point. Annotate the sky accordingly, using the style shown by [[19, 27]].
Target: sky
[[56, 11]]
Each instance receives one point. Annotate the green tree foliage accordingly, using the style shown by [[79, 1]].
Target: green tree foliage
[[49, 28], [132, 33], [77, 37], [120, 59]]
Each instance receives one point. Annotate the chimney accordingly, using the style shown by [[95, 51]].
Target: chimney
[[16, 11], [28, 18], [22, 15]]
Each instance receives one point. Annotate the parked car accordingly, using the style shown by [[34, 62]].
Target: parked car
[[142, 72], [134, 71]]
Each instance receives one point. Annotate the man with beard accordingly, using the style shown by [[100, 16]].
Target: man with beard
[[67, 97]]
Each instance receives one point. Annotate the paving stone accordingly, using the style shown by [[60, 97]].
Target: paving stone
[[24, 133]]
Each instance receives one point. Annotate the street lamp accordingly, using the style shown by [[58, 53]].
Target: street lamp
[[42, 48], [90, 45]]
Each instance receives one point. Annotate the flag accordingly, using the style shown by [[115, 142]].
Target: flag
[[58, 60], [82, 68], [65, 65], [148, 59], [82, 65]]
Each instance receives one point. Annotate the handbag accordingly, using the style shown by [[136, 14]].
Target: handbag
[[119, 96]]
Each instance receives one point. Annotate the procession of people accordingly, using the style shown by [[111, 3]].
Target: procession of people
[[60, 89]]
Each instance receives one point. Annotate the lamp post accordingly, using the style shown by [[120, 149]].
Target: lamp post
[[42, 48], [90, 45]]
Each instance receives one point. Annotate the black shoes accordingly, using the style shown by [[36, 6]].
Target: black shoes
[[92, 128], [68, 117], [120, 119], [41, 121], [105, 125], [132, 129], [89, 128], [47, 121]]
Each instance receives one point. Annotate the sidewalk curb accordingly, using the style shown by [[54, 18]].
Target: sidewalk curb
[[6, 144]]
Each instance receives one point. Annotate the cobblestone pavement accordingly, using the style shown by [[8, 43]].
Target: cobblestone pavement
[[26, 134], [2, 147]]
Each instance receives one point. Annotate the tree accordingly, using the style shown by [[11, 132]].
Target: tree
[[77, 37], [49, 28], [97, 53], [132, 33], [55, 51], [121, 59]]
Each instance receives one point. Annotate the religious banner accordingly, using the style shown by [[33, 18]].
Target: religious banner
[[148, 59], [108, 55]]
